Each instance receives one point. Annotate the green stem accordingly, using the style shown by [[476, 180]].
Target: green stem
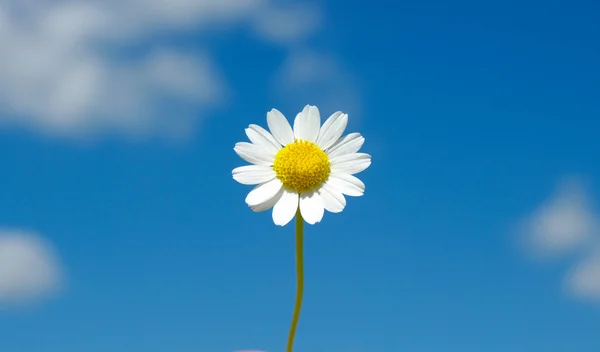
[[300, 278]]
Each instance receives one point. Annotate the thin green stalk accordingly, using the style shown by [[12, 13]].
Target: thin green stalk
[[300, 278]]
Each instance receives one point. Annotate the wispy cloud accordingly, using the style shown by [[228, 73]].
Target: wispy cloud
[[320, 79], [564, 223], [567, 224], [29, 268], [288, 24], [583, 280], [70, 67]]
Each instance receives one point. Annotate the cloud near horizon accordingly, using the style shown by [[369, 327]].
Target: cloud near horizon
[[70, 74], [30, 270], [567, 225]]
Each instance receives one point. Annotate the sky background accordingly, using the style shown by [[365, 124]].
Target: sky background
[[121, 228]]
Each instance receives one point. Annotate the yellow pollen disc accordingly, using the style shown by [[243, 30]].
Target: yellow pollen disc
[[301, 166]]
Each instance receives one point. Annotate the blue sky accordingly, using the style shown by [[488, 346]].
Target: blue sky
[[117, 147]]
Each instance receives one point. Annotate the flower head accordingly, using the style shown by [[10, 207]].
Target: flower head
[[309, 167]]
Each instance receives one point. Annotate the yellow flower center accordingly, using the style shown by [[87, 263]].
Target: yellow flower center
[[301, 166]]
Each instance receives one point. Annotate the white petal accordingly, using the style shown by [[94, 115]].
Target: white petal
[[253, 174], [311, 207], [259, 136], [349, 144], [307, 124], [263, 192], [280, 127], [352, 179], [347, 184], [348, 157], [254, 154], [332, 130], [333, 199], [327, 125], [350, 163], [286, 207], [267, 204]]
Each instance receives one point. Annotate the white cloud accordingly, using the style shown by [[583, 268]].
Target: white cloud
[[318, 79], [564, 223], [289, 23], [584, 280], [68, 68], [567, 223], [29, 268]]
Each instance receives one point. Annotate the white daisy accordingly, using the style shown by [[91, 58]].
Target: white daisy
[[309, 167]]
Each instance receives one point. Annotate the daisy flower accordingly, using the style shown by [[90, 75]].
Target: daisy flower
[[308, 168], [301, 172]]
